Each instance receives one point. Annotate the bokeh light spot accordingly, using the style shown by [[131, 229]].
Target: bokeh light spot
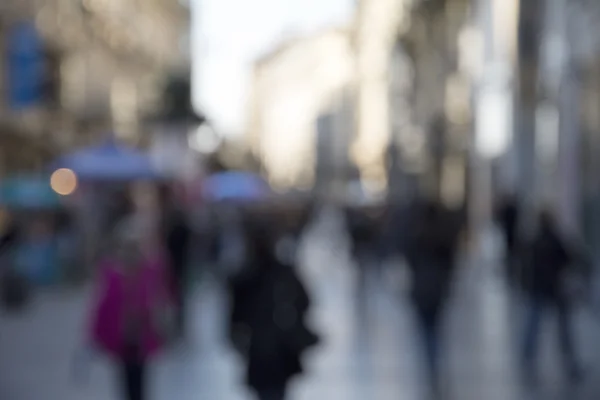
[[63, 181]]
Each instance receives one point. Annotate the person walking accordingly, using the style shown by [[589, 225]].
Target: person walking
[[131, 318], [177, 236], [363, 247], [550, 265], [430, 251], [507, 216], [267, 322]]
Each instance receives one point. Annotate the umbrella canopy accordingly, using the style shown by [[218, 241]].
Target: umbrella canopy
[[110, 162], [236, 186]]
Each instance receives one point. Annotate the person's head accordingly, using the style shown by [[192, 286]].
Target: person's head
[[128, 241]]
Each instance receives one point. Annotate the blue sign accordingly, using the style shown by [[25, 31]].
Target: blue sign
[[25, 66]]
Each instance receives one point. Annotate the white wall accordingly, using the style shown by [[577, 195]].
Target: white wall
[[291, 91]]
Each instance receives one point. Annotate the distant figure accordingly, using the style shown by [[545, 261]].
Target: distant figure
[[130, 320], [430, 250], [549, 265], [177, 239], [230, 243], [9, 237], [14, 287], [507, 215], [364, 243], [267, 324]]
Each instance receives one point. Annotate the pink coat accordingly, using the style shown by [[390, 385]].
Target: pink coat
[[146, 295]]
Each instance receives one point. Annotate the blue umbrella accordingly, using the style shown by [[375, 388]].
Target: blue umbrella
[[236, 186], [109, 161]]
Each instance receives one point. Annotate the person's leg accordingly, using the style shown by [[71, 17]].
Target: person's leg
[[361, 261], [531, 336], [133, 380], [567, 343], [428, 326], [181, 308]]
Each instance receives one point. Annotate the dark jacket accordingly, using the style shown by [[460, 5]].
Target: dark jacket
[[548, 261], [267, 322], [430, 251], [178, 236], [507, 216]]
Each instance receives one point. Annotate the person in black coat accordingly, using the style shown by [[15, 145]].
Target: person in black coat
[[430, 248], [550, 260], [507, 216], [267, 321], [177, 236]]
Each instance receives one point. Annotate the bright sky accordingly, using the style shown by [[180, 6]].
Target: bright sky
[[227, 35]]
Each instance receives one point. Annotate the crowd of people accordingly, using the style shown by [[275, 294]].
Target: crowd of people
[[142, 292], [143, 273], [548, 271]]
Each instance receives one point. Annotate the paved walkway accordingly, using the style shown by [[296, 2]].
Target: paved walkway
[[366, 355]]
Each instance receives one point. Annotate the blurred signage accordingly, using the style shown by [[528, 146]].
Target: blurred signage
[[25, 61]]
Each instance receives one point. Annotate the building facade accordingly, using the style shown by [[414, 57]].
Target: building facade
[[293, 86], [429, 106], [100, 67]]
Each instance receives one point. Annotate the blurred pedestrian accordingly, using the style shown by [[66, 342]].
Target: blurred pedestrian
[[9, 235], [131, 319], [550, 265], [267, 324], [15, 289], [231, 241], [364, 244], [507, 215], [430, 250], [177, 238]]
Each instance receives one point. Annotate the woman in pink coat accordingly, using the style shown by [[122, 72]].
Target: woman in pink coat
[[131, 318]]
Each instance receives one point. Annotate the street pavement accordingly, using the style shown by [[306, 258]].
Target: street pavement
[[369, 351]]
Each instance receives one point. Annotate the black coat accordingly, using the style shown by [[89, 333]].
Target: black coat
[[178, 237], [508, 218], [547, 260], [267, 323], [430, 249]]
